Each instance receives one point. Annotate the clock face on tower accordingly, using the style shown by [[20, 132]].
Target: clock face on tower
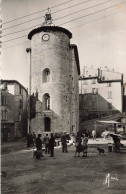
[[45, 37]]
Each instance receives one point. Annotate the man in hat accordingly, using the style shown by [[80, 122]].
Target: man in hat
[[64, 142], [51, 145], [38, 143]]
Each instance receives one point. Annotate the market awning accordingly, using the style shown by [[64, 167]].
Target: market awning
[[111, 122]]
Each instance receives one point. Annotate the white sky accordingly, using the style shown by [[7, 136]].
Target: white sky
[[100, 37]]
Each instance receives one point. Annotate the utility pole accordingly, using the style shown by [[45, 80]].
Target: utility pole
[[28, 50]]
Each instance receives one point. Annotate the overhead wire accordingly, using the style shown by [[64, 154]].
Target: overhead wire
[[97, 19], [21, 30], [92, 13], [36, 12], [84, 9], [43, 15], [60, 17], [73, 27], [71, 6], [15, 45], [73, 19]]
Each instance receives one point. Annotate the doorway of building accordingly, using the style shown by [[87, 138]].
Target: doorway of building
[[47, 123]]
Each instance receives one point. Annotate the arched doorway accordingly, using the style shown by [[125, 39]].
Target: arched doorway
[[47, 124]]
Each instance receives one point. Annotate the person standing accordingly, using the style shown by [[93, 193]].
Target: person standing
[[38, 143], [46, 141], [117, 143], [78, 144], [84, 145], [93, 134], [87, 133], [51, 145], [64, 142], [34, 137], [29, 139]]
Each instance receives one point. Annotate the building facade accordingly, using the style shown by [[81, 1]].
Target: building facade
[[124, 99], [13, 110], [100, 93], [54, 70]]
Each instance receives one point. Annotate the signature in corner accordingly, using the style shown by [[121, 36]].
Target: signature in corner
[[110, 178]]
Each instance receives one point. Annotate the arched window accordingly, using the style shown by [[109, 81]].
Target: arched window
[[46, 76], [47, 124], [47, 101]]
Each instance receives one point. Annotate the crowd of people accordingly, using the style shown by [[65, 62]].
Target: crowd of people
[[48, 141], [81, 143], [38, 143]]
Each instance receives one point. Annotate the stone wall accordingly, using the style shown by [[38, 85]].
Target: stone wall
[[74, 93], [55, 55]]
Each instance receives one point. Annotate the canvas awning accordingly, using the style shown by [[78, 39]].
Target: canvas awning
[[111, 122]]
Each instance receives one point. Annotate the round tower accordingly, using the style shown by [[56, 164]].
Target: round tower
[[50, 77]]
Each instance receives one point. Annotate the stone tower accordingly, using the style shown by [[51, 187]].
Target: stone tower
[[54, 78]]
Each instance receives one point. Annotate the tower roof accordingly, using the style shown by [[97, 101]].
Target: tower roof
[[47, 26], [48, 29]]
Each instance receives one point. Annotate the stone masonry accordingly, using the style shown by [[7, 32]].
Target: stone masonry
[[61, 59]]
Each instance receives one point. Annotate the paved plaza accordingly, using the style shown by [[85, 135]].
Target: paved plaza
[[21, 173]]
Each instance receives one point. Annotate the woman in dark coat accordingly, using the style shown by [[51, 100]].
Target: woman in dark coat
[[78, 144], [38, 142]]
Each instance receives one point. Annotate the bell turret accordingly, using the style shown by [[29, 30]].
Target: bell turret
[[48, 19]]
